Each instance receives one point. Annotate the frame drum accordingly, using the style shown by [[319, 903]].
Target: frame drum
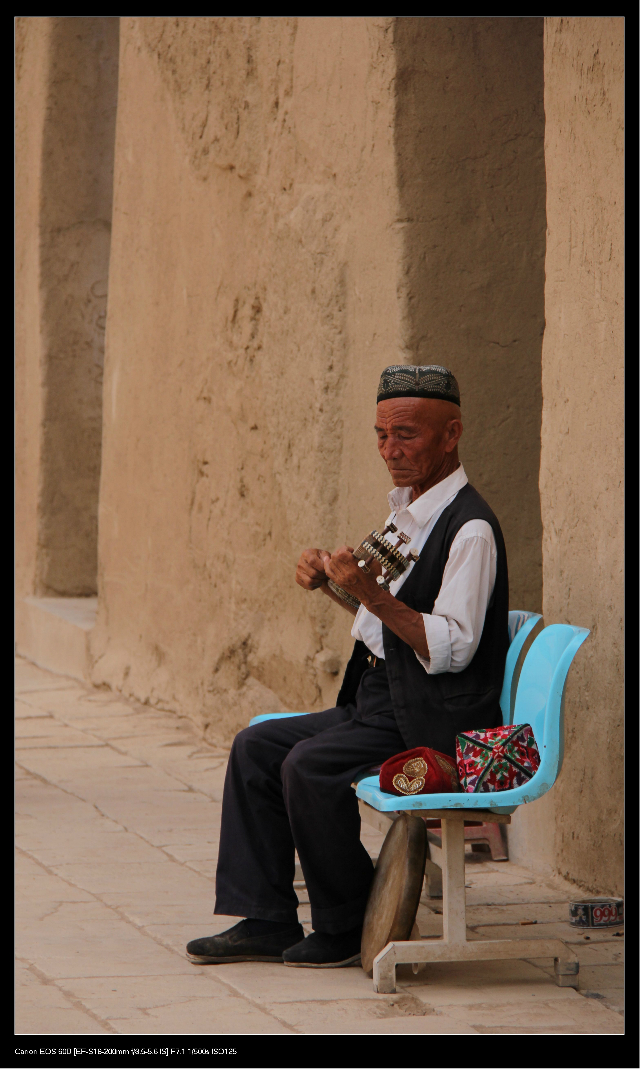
[[395, 891]]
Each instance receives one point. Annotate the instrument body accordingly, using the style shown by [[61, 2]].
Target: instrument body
[[377, 547]]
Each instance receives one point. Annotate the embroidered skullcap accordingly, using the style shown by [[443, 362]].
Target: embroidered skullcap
[[410, 380]]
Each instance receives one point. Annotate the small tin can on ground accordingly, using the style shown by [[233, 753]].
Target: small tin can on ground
[[596, 912]]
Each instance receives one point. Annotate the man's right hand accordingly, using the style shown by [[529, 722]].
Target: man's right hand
[[310, 572]]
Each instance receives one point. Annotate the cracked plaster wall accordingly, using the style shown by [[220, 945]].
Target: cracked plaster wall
[[31, 57], [67, 70], [252, 306], [469, 142], [577, 828], [260, 280]]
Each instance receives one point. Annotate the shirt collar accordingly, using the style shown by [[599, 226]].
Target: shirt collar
[[424, 507]]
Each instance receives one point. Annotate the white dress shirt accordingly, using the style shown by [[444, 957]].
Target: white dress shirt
[[454, 627]]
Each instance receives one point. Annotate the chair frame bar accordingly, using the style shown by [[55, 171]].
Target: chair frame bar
[[454, 945]]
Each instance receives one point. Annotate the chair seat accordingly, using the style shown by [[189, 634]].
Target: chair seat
[[369, 790]]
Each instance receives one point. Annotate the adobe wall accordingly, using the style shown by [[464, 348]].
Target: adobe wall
[[469, 139], [252, 306], [577, 828], [31, 65], [265, 215], [67, 74]]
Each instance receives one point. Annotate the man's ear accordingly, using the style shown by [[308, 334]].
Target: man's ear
[[454, 433]]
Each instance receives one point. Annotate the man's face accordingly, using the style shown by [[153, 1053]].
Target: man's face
[[416, 438]]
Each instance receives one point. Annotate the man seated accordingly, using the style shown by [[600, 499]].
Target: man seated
[[428, 663]]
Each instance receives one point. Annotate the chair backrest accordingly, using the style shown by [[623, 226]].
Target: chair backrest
[[540, 694], [522, 626]]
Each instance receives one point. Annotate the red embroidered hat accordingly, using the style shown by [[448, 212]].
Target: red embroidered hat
[[419, 771]]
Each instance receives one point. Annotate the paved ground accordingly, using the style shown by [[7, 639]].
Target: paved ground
[[118, 819]]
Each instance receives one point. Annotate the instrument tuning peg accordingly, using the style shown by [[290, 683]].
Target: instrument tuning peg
[[412, 555]]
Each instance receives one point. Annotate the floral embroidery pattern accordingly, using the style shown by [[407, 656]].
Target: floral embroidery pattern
[[497, 760]]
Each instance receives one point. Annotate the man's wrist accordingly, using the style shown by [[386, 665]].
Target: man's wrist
[[376, 600]]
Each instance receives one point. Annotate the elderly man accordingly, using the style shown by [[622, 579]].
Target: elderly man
[[428, 663]]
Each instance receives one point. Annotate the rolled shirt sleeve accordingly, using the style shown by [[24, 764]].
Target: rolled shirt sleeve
[[454, 628]]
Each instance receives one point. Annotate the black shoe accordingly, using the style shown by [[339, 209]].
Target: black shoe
[[240, 944], [323, 951]]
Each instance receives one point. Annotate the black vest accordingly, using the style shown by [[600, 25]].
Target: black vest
[[430, 710]]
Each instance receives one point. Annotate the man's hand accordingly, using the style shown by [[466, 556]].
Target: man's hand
[[310, 572], [316, 566], [408, 624], [342, 568]]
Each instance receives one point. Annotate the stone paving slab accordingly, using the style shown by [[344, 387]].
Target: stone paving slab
[[206, 867], [153, 881], [143, 915], [61, 700], [201, 1017], [29, 677], [39, 891], [602, 954], [56, 764], [449, 983], [41, 1007], [119, 815], [366, 1017], [542, 912], [194, 1003], [267, 982], [595, 980], [186, 853], [43, 731], [558, 930], [513, 894], [610, 997], [537, 1014], [88, 939], [82, 834]]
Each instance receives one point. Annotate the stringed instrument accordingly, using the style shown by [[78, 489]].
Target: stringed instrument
[[376, 547]]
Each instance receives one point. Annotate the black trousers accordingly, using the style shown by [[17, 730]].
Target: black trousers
[[287, 788]]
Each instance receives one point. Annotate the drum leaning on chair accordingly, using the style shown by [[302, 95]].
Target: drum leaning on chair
[[395, 891]]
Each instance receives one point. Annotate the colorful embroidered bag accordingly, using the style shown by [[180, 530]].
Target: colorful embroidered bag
[[419, 771], [497, 760]]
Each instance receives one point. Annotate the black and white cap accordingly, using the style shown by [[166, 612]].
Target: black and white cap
[[411, 380]]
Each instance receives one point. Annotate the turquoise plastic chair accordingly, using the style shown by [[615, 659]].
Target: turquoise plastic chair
[[539, 702], [536, 697], [522, 626]]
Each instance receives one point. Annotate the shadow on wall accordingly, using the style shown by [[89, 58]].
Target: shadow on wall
[[75, 236], [469, 139]]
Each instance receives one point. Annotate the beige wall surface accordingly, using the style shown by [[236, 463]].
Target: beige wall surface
[[581, 467], [469, 137], [67, 75], [32, 42], [252, 306], [258, 286]]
